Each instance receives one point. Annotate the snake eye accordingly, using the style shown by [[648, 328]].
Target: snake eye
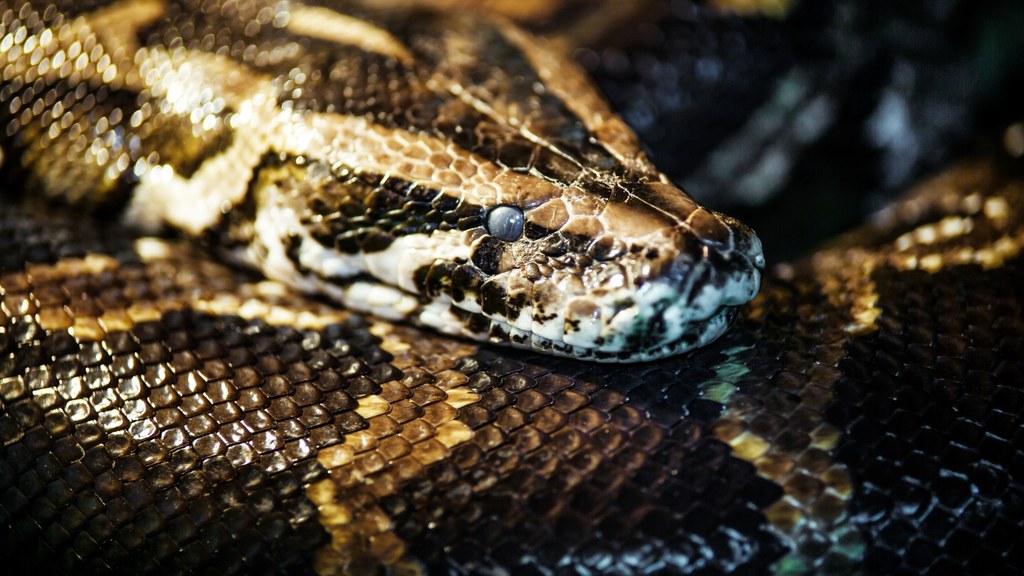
[[505, 223]]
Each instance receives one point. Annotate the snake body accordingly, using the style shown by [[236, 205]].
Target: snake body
[[162, 412]]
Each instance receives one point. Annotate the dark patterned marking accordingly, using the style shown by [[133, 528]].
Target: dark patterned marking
[[938, 407], [488, 254], [359, 212]]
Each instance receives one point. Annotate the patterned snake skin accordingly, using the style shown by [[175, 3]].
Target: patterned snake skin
[[452, 171], [162, 412]]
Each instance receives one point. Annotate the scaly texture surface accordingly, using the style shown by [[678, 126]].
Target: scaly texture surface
[[441, 167], [162, 413]]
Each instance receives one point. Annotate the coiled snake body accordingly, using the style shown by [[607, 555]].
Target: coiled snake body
[[164, 412]]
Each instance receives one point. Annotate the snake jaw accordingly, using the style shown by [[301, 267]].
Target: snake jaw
[[667, 317], [646, 304]]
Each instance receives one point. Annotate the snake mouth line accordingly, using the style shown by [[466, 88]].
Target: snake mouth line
[[697, 333], [660, 319]]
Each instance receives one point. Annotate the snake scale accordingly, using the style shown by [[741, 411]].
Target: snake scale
[[165, 410]]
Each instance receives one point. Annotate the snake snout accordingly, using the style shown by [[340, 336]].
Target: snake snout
[[719, 264], [745, 242]]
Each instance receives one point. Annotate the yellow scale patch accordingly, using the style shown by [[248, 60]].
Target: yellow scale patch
[[378, 461], [978, 231], [772, 8]]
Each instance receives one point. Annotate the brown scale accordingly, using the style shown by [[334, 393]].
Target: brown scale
[[323, 76], [159, 413]]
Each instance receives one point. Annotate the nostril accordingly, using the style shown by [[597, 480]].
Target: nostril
[[752, 248], [758, 259], [745, 241], [724, 237]]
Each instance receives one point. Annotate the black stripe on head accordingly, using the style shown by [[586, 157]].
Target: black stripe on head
[[475, 322], [462, 280], [360, 212], [494, 298]]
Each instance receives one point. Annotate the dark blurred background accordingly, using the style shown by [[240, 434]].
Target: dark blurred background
[[803, 125]]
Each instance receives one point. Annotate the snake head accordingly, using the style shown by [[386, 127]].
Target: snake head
[[465, 175], [629, 271]]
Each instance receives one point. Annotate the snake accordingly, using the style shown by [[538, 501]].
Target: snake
[[482, 209], [386, 286]]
